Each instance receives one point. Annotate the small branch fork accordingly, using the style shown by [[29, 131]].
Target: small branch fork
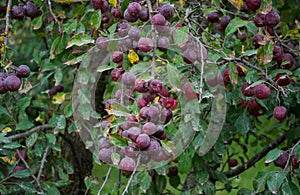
[[28, 133], [105, 181], [7, 24], [290, 155], [54, 17]]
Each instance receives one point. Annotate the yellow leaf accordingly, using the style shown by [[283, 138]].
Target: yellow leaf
[[113, 2], [237, 3], [59, 98], [40, 119], [6, 129], [161, 61], [133, 57], [181, 2], [109, 118], [156, 99], [245, 71], [7, 160]]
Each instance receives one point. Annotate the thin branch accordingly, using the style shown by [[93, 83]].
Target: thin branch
[[153, 66], [27, 167], [131, 176], [54, 16], [105, 181], [290, 155], [42, 163], [256, 157], [28, 133], [7, 24]]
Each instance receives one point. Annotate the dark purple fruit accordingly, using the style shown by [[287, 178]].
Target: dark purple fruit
[[127, 165], [189, 55], [149, 128], [23, 71], [155, 86], [172, 171], [133, 133], [100, 4], [17, 12], [272, 19], [134, 34], [163, 43], [104, 18], [105, 155], [133, 9], [246, 90], [3, 90], [288, 61], [295, 162], [116, 74], [144, 15], [117, 56], [104, 143], [128, 79], [159, 132], [167, 11], [116, 11], [131, 151], [164, 92], [23, 154], [145, 44], [152, 114], [59, 87], [141, 86], [254, 108], [280, 113], [154, 146], [166, 115], [143, 112], [189, 92], [122, 29], [31, 10], [282, 79], [253, 4], [226, 76], [281, 160], [143, 141], [242, 36], [277, 53], [256, 40], [129, 17], [109, 102], [262, 91], [102, 43], [12, 83], [141, 102], [213, 17], [158, 20], [259, 20], [220, 27], [225, 21], [232, 162]]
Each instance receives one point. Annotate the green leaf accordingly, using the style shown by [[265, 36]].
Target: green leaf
[[243, 123], [161, 183], [24, 125], [297, 152], [181, 35], [52, 190], [58, 75], [76, 60], [22, 173], [84, 95], [173, 75], [273, 155], [85, 111], [104, 68], [30, 141], [275, 180], [69, 110], [145, 181], [79, 40], [27, 187], [234, 25], [23, 103], [4, 115], [51, 139], [124, 6], [174, 181], [118, 141], [184, 163], [249, 52], [96, 19], [265, 53], [37, 22], [12, 145], [289, 188], [58, 121], [58, 46]]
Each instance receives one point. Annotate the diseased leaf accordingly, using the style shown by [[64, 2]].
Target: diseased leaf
[[79, 40], [273, 155]]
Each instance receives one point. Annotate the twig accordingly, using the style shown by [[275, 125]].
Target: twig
[[131, 176], [105, 181], [54, 16], [7, 25], [28, 133], [27, 167], [290, 155], [256, 157], [202, 72], [42, 163], [153, 66]]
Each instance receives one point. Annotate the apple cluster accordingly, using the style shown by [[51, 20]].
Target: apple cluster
[[12, 81], [30, 10], [282, 161]]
